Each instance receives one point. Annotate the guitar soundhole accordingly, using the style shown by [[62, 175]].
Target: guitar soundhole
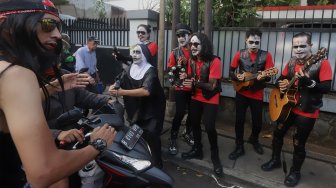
[[275, 99]]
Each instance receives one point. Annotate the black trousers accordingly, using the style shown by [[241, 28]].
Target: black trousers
[[209, 112], [182, 102], [256, 106], [152, 132], [303, 127]]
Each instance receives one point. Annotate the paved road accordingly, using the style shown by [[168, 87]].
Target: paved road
[[187, 178]]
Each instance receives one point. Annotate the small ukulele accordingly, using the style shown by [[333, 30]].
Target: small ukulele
[[250, 77]]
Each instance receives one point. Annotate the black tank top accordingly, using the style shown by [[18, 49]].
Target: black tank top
[[11, 173]]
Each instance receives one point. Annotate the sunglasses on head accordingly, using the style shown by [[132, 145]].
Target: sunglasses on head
[[254, 42], [48, 25], [141, 32], [301, 46], [195, 44]]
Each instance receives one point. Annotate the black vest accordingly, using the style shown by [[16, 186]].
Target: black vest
[[309, 100], [246, 65], [204, 78]]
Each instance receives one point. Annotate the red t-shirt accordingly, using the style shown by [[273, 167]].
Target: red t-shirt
[[172, 62], [153, 48], [215, 73], [325, 74], [259, 94]]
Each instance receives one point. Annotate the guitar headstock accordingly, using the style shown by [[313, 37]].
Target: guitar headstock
[[321, 53], [271, 71]]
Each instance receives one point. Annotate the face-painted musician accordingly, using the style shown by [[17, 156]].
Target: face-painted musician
[[253, 60], [178, 63], [311, 85], [205, 70]]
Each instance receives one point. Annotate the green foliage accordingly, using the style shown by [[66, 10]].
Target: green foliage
[[60, 2], [100, 9], [323, 2]]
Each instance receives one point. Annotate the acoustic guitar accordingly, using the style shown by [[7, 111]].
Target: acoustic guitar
[[250, 77], [281, 102]]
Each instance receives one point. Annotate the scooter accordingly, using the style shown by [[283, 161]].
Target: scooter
[[127, 162]]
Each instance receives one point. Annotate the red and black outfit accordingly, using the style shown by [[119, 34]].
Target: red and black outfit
[[153, 49], [205, 103], [304, 113], [182, 94], [253, 96]]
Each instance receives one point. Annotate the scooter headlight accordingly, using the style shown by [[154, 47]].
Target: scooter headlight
[[135, 163]]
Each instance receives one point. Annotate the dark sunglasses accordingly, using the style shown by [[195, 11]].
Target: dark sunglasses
[[141, 32], [48, 25], [195, 44], [301, 46], [181, 35], [254, 42]]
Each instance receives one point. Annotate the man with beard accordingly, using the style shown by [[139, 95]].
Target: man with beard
[[205, 71], [311, 85], [253, 60], [178, 60], [144, 98]]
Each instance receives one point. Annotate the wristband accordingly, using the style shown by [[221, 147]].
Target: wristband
[[312, 85]]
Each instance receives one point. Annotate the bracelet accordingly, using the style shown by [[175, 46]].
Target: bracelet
[[313, 84]]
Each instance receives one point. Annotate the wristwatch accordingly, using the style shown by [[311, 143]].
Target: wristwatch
[[99, 144]]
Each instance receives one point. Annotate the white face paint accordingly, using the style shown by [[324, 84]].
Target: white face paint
[[195, 46], [301, 49], [142, 34], [136, 54], [253, 43], [182, 39]]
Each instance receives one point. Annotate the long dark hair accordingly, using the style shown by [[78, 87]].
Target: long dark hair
[[20, 45], [206, 53]]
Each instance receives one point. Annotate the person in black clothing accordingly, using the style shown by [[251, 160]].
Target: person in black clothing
[[205, 71], [311, 84], [144, 98], [252, 60], [178, 64]]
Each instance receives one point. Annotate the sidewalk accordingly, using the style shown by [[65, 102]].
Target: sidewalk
[[316, 172]]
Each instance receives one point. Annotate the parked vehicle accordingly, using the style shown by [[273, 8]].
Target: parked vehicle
[[124, 165]]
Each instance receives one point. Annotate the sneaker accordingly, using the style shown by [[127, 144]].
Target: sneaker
[[188, 138], [173, 147]]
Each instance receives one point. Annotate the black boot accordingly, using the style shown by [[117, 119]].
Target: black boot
[[293, 178], [194, 153], [217, 165], [256, 146], [239, 151], [274, 163], [173, 150]]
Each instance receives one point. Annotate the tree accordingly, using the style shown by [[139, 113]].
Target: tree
[[150, 4], [100, 9]]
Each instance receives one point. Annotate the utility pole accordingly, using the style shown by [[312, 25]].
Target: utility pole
[[208, 19], [194, 16], [161, 41], [176, 19]]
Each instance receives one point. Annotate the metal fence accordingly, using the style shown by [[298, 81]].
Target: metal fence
[[278, 25], [111, 32]]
